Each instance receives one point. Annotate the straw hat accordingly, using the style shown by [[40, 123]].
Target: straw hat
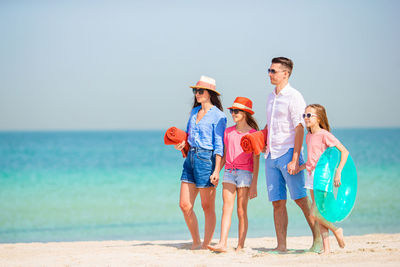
[[244, 104], [206, 83]]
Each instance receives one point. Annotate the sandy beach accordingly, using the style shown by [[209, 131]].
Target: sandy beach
[[365, 250]]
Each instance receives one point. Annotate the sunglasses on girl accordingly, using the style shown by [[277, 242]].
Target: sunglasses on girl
[[234, 111], [309, 115], [198, 90]]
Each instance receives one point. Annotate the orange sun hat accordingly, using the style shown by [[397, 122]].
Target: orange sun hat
[[244, 104]]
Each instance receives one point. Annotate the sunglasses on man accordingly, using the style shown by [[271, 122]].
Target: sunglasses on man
[[272, 71], [198, 90]]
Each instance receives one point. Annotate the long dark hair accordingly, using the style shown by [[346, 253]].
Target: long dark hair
[[214, 98], [251, 121]]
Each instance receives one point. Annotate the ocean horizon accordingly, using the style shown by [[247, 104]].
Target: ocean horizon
[[74, 185]]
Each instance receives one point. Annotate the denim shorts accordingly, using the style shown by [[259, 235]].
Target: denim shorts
[[278, 177], [198, 167], [240, 178]]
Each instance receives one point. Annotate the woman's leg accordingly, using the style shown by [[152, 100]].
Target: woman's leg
[[186, 202], [242, 200], [338, 232], [207, 196], [228, 196]]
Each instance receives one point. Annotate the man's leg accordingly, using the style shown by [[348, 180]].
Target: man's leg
[[277, 195], [281, 223]]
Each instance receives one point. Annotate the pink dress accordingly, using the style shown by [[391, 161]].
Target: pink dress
[[235, 157]]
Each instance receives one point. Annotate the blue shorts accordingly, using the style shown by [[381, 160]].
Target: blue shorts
[[278, 177], [240, 178], [198, 167]]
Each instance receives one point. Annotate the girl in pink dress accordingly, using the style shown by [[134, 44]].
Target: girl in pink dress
[[318, 140], [241, 172]]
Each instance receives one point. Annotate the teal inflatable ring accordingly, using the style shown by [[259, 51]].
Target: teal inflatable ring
[[334, 204]]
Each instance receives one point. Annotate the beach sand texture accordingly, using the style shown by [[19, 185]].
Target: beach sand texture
[[365, 250]]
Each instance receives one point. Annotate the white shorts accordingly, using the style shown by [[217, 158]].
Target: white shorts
[[309, 181]]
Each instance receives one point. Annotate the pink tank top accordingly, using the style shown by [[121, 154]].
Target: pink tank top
[[235, 157]]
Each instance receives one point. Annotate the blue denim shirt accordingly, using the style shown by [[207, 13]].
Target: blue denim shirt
[[208, 133]]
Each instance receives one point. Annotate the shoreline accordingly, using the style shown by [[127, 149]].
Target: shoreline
[[366, 250]]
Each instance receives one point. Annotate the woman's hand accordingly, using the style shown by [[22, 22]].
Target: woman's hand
[[180, 146], [253, 191], [338, 176], [214, 178]]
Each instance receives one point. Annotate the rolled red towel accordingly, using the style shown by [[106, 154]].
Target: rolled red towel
[[254, 142], [175, 136]]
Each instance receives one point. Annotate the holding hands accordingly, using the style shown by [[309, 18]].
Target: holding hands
[[293, 167], [214, 178]]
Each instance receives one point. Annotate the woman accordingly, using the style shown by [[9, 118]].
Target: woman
[[205, 130]]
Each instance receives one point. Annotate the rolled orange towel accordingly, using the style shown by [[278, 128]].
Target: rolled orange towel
[[254, 142], [175, 136]]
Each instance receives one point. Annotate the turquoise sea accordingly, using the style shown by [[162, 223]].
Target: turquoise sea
[[112, 185]]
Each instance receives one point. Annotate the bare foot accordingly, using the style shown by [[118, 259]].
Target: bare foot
[[239, 248], [204, 247], [196, 246], [323, 252], [316, 246], [339, 237], [280, 249], [217, 248]]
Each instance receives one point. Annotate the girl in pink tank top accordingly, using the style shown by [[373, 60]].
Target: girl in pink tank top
[[318, 140], [241, 172]]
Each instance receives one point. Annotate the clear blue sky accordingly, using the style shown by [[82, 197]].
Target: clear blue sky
[[128, 64]]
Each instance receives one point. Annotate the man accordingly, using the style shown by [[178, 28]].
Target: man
[[285, 106]]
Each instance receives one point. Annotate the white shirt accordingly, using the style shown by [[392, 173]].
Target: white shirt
[[284, 113]]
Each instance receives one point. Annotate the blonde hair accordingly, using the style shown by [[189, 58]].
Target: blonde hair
[[321, 115]]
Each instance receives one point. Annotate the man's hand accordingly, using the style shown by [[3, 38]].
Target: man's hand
[[293, 167]]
